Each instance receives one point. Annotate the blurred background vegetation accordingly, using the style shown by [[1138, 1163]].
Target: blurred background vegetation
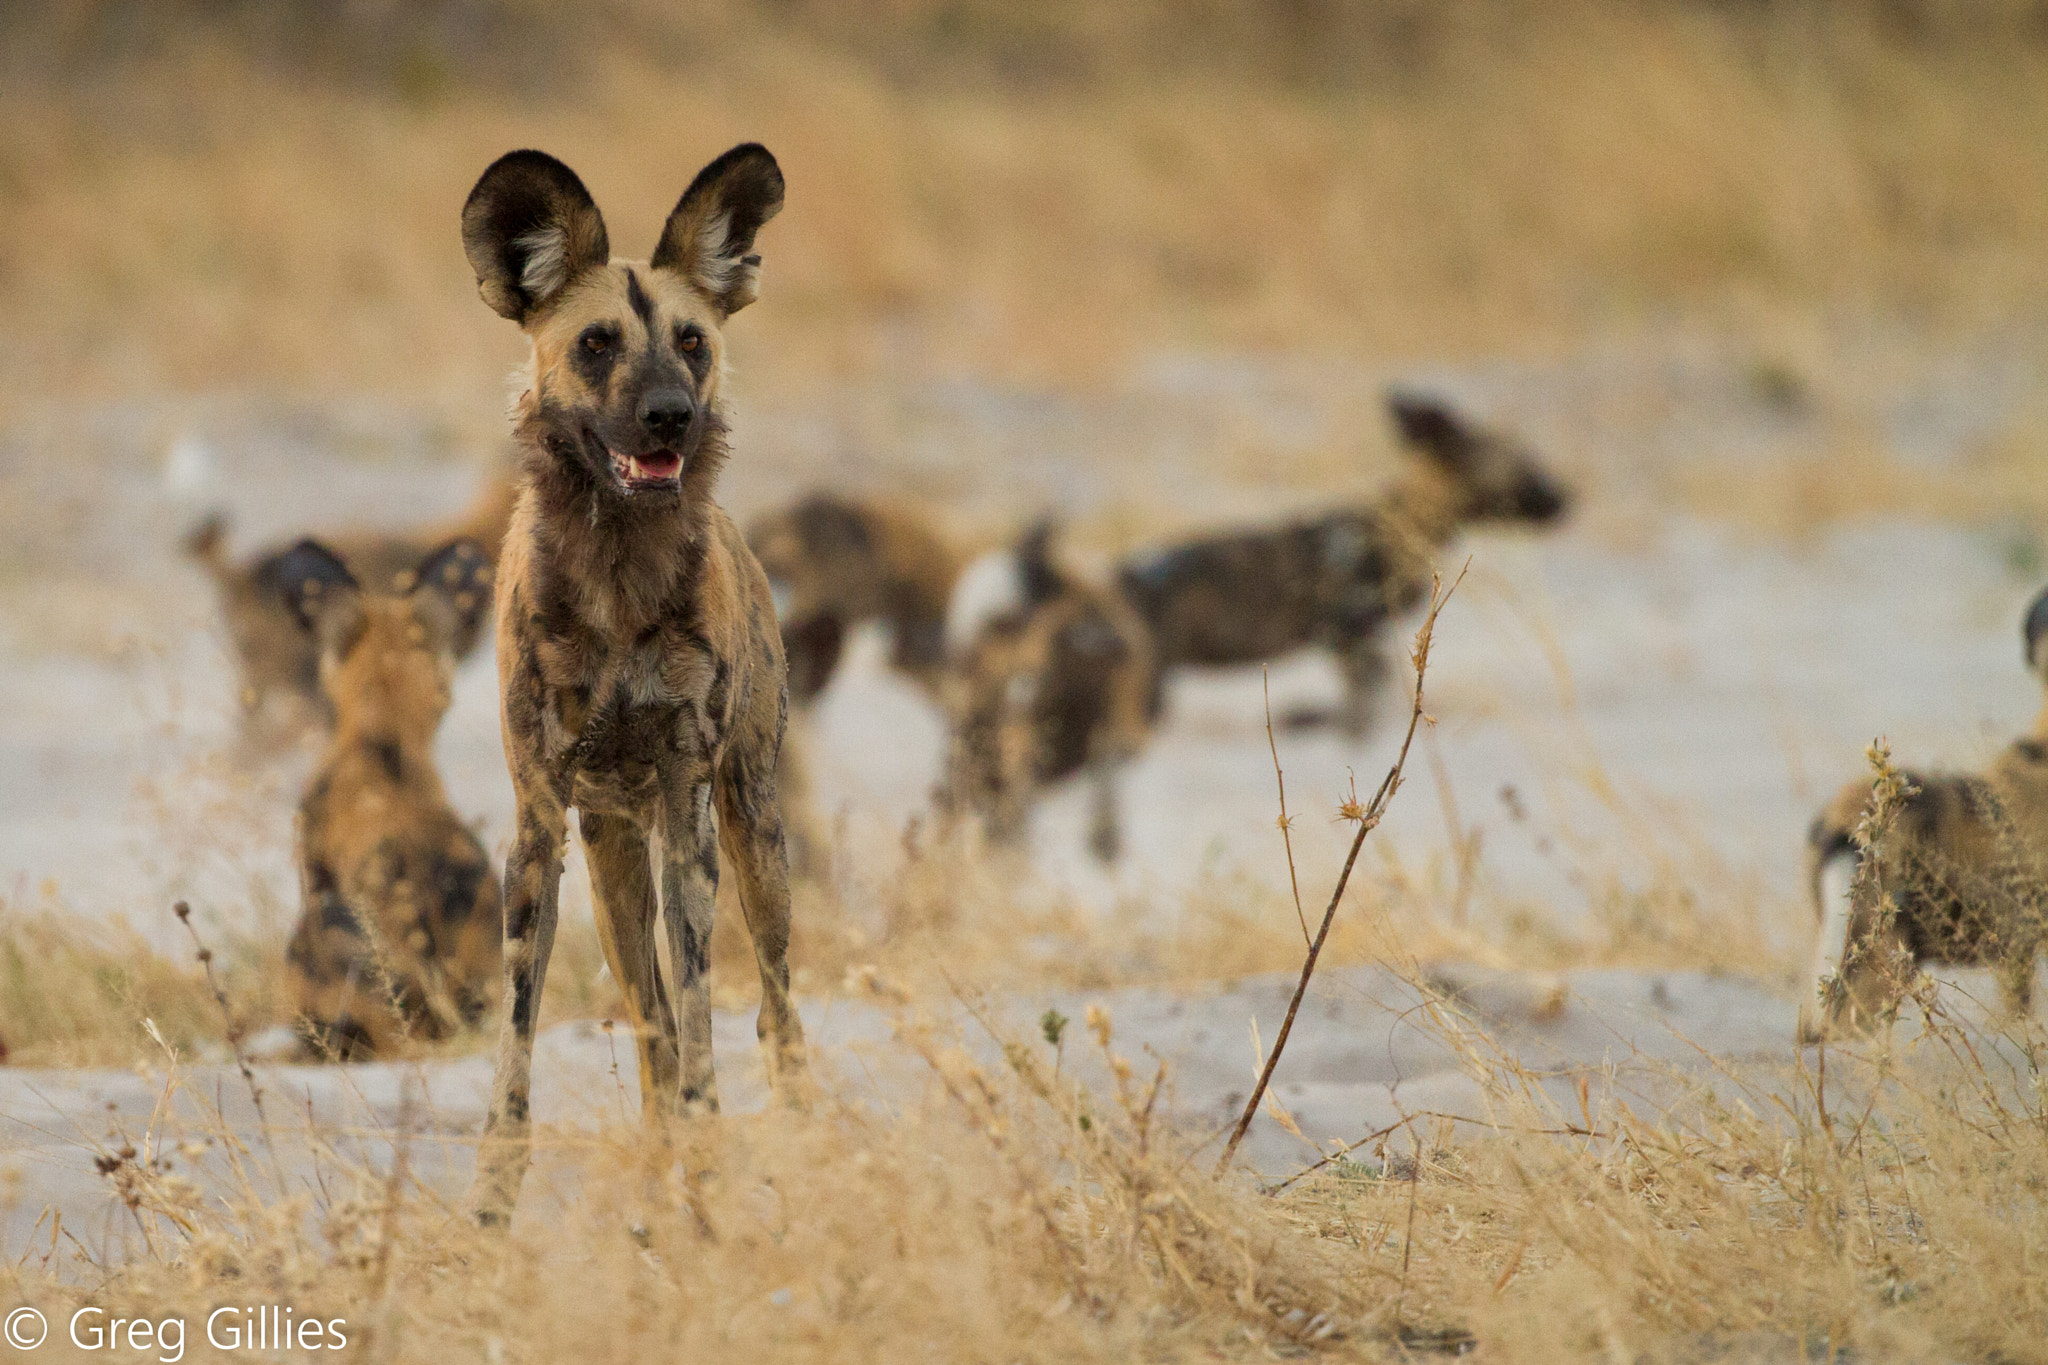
[[198, 195]]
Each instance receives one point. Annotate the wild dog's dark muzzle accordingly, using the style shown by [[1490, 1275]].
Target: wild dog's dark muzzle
[[665, 415], [2034, 630], [1540, 500]]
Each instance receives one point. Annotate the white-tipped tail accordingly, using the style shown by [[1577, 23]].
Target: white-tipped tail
[[190, 469], [1837, 909], [990, 587]]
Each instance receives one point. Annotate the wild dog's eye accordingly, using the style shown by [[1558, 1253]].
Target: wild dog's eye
[[597, 341], [687, 338]]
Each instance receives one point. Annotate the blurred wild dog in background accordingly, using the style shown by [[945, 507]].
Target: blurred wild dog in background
[[1240, 597], [278, 662], [639, 665], [834, 562], [399, 936], [1051, 676], [1959, 876]]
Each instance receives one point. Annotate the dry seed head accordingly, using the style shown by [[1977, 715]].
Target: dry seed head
[[1097, 1019]]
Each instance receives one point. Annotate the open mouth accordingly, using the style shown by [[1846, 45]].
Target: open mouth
[[657, 469]]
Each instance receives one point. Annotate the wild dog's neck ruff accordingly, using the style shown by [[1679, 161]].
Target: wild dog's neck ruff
[[1424, 504], [626, 554]]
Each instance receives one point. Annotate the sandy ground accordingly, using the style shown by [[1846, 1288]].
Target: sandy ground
[[1639, 692], [1360, 1061], [1657, 690]]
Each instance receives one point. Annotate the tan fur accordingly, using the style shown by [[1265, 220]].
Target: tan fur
[[845, 560], [277, 663], [1335, 581], [834, 563], [399, 936], [1960, 877], [640, 668], [1058, 686]]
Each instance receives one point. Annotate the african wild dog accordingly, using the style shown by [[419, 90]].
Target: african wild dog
[[278, 662], [837, 561], [638, 659], [1963, 866], [1054, 682], [1335, 580], [400, 931], [834, 562]]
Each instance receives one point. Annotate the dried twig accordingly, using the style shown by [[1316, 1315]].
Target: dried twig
[[1368, 817], [234, 1031], [1286, 825]]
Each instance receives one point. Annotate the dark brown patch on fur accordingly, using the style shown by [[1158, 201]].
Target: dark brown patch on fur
[[1057, 686], [399, 934], [637, 686], [839, 561], [1334, 581], [278, 662], [1964, 866]]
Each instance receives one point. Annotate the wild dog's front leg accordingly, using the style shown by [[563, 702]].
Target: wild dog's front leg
[[533, 879], [689, 897], [750, 828], [622, 882], [2017, 948]]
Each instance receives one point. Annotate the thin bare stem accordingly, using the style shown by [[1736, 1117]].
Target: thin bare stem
[[234, 1037], [1368, 818], [1286, 825]]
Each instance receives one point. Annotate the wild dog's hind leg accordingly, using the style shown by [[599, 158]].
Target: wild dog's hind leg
[[750, 828], [1105, 829], [1364, 664], [533, 880], [622, 885], [689, 897]]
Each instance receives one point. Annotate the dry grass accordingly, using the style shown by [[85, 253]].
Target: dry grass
[[205, 197], [1012, 1214]]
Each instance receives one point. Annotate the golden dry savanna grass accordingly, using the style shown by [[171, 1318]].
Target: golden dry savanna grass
[[223, 196], [1011, 1213]]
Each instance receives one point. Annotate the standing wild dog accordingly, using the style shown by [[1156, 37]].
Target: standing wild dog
[[1960, 877], [400, 930], [834, 562], [276, 659], [638, 659], [1054, 682], [1335, 580]]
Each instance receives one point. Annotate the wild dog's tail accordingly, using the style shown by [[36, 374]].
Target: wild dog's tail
[[207, 542], [1003, 585]]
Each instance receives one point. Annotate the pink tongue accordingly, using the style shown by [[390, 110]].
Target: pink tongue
[[662, 465]]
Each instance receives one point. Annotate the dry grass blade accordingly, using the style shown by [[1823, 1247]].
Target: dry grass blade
[[1368, 818]]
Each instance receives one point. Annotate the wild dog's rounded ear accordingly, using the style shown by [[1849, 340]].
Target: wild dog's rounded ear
[[529, 228], [2034, 633], [1039, 578], [451, 592], [312, 580], [709, 239], [1430, 426]]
